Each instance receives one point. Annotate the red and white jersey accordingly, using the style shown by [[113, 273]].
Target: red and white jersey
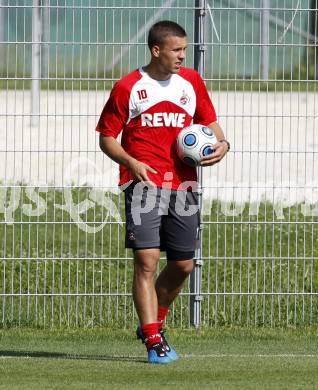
[[151, 114]]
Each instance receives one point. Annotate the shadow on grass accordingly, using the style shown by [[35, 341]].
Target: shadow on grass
[[60, 355]]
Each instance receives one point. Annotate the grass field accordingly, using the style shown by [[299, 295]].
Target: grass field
[[220, 358]]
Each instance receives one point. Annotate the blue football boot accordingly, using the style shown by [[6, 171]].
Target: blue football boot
[[169, 350], [158, 355]]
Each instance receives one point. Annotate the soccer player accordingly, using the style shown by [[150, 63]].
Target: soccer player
[[150, 106]]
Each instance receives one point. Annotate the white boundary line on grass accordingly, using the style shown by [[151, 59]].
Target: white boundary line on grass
[[224, 355], [189, 356]]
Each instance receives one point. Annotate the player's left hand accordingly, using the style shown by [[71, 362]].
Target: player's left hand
[[220, 150]]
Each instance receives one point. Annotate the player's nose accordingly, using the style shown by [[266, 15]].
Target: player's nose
[[182, 55]]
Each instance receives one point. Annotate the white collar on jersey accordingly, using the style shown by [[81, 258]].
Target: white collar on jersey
[[161, 82]]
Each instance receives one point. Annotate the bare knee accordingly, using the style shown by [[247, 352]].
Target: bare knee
[[144, 267], [183, 267], [145, 262]]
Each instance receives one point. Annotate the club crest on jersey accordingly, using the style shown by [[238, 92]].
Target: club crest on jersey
[[184, 98]]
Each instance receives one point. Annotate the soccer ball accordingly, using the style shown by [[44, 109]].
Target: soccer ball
[[195, 142]]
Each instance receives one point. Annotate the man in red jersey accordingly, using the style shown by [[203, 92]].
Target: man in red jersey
[[150, 106]]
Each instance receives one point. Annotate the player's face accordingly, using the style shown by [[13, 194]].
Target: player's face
[[171, 54]]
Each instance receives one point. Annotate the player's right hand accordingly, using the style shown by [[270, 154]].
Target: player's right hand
[[139, 171]]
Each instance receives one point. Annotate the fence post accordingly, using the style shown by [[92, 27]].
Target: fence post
[[36, 72], [196, 275]]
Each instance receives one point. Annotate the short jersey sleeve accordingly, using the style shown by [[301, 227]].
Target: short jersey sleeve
[[205, 112], [115, 112]]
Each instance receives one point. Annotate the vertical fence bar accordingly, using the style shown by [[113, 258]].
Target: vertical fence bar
[[3, 71], [2, 21], [196, 275], [36, 51], [264, 39], [45, 38], [2, 36]]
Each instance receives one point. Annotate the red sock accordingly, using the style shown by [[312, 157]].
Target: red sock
[[151, 334], [162, 314]]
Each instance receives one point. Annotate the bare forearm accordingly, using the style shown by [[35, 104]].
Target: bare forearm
[[220, 148], [217, 130], [114, 150]]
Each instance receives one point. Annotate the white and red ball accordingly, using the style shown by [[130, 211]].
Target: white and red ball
[[195, 142]]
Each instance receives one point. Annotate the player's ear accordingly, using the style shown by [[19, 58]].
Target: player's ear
[[155, 50]]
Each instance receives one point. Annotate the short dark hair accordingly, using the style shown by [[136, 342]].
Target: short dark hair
[[161, 30]]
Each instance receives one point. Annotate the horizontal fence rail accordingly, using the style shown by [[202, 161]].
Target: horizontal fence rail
[[63, 260]]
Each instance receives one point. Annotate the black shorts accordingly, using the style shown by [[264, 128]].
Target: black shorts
[[161, 218]]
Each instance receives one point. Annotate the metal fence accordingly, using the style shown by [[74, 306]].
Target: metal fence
[[63, 260]]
